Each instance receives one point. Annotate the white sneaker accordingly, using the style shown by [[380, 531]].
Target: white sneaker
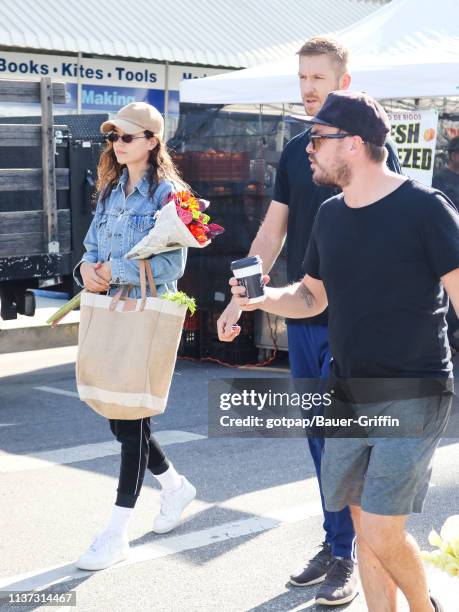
[[173, 503], [108, 548]]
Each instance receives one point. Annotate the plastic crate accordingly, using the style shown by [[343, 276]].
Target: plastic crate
[[256, 201], [218, 189], [206, 279], [208, 325], [181, 160], [234, 353], [190, 282], [214, 289], [242, 350], [227, 209], [213, 165], [200, 339], [192, 322], [190, 345]]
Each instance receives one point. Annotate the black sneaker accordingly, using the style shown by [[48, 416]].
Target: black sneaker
[[341, 584], [436, 604], [316, 569]]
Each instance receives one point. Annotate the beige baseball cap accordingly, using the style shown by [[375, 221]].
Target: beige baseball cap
[[134, 118]]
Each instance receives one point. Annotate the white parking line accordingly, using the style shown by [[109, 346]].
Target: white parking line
[[304, 606], [164, 547], [10, 462], [57, 391]]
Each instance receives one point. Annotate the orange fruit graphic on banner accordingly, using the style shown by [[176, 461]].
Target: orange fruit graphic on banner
[[429, 134]]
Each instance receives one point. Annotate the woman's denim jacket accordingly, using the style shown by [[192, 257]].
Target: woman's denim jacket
[[119, 223]]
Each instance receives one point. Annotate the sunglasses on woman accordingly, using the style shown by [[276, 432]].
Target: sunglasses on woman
[[316, 138], [126, 138]]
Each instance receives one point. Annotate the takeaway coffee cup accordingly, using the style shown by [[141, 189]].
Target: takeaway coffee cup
[[249, 274]]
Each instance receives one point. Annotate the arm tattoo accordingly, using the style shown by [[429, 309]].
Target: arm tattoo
[[307, 296]]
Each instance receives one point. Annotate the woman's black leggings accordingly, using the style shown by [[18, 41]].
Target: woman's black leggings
[[139, 450]]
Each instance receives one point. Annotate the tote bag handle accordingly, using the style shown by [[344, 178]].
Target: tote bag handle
[[145, 273], [145, 270]]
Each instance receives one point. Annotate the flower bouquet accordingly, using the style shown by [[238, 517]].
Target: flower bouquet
[[446, 557], [181, 222]]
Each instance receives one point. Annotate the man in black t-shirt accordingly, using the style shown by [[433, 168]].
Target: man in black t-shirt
[[381, 255]]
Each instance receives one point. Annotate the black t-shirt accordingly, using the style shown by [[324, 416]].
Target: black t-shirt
[[295, 188], [381, 266]]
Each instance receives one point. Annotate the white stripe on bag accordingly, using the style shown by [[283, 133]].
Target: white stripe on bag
[[158, 304], [123, 399]]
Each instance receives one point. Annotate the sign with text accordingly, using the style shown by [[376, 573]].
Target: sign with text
[[107, 84], [87, 71], [415, 136]]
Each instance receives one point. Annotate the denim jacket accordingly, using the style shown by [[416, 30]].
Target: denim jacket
[[119, 223]]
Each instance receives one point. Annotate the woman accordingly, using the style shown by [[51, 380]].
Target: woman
[[135, 177]]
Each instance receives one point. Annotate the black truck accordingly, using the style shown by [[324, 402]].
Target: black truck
[[47, 180]]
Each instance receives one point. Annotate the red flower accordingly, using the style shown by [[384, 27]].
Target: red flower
[[197, 231]]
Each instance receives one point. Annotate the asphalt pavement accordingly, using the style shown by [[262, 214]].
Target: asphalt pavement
[[256, 518]]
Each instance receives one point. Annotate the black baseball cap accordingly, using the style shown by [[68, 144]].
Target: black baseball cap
[[356, 113]]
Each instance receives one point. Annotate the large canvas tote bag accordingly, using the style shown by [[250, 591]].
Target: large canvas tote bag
[[127, 350]]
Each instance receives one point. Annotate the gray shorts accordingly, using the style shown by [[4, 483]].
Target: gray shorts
[[386, 475]]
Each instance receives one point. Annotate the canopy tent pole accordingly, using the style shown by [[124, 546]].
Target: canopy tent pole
[[166, 99], [79, 85]]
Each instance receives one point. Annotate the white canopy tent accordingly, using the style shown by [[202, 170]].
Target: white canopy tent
[[406, 49]]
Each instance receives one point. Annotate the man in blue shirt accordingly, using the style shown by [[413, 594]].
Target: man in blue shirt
[[291, 214]]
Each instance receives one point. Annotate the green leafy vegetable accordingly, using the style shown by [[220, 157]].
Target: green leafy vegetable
[[66, 308], [180, 297]]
